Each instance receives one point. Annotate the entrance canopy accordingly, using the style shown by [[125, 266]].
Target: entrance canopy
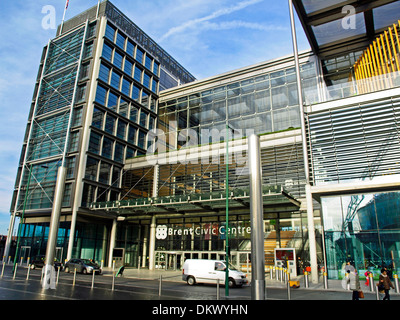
[[336, 26], [275, 199]]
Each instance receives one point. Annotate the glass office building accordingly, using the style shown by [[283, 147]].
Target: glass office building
[[145, 146]]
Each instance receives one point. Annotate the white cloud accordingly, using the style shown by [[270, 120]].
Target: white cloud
[[194, 22]]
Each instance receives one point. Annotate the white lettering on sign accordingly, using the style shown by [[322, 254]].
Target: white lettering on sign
[[163, 232]]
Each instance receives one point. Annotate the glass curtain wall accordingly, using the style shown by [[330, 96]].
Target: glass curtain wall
[[363, 229], [263, 104]]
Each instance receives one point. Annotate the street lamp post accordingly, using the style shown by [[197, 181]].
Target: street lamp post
[[227, 214]]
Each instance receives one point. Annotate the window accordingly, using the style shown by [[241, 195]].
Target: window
[[74, 142], [101, 95], [91, 168], [154, 86], [133, 114], [142, 139], [143, 119], [98, 116], [138, 74], [128, 67], [130, 48], [104, 173], [126, 87], [120, 41], [81, 94], [146, 80], [77, 117], [130, 153], [110, 33], [132, 135], [119, 152], [123, 107], [116, 172], [112, 101], [121, 129], [110, 124], [104, 73], [87, 195], [107, 52], [118, 60], [107, 147], [155, 68], [135, 93], [115, 80], [139, 55], [148, 62], [94, 143]]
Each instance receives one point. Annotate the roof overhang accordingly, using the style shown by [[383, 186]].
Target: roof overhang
[[275, 199], [333, 29]]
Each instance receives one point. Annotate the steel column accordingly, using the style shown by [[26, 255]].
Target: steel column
[[257, 220]]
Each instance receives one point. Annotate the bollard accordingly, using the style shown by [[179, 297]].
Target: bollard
[[9, 258], [325, 280], [27, 273], [73, 281], [396, 282], [22, 260], [377, 293], [15, 270], [113, 280], [27, 261], [58, 274], [270, 272], [276, 273], [288, 290], [93, 279], [217, 289], [160, 286], [2, 271], [371, 282], [305, 279]]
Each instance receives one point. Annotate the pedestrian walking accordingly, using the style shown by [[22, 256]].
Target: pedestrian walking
[[367, 273], [385, 284], [354, 281]]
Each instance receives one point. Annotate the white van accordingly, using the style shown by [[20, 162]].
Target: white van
[[208, 271]]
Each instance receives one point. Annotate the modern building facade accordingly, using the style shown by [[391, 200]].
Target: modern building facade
[[146, 146]]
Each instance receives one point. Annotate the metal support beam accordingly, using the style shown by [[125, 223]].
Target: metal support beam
[[49, 272], [256, 220], [310, 209]]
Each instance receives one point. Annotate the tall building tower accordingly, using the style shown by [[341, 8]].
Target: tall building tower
[[95, 99]]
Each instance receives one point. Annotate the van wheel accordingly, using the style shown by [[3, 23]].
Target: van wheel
[[231, 283], [191, 281]]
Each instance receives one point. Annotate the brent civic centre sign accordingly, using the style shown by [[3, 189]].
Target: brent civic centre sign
[[207, 230]]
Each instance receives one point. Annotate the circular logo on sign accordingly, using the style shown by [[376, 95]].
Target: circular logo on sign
[[161, 232]]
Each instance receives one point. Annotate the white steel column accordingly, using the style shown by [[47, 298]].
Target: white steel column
[[112, 243], [257, 220], [152, 247], [85, 138], [310, 209]]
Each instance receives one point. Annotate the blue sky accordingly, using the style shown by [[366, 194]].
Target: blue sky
[[207, 37]]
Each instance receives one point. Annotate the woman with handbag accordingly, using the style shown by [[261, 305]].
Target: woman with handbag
[[385, 283]]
